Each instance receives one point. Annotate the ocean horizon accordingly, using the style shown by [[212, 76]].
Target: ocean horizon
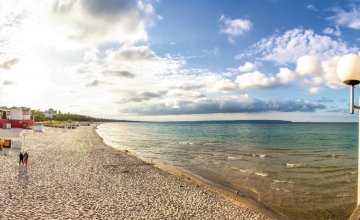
[[302, 170]]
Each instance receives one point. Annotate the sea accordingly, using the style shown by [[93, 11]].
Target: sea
[[302, 170]]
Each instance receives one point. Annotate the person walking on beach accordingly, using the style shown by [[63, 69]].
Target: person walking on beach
[[21, 159], [26, 157]]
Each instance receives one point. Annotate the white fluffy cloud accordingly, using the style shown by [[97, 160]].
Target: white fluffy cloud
[[314, 90], [285, 75], [314, 55], [256, 80], [295, 43], [142, 60], [247, 67], [336, 32], [350, 19], [308, 65], [234, 27], [129, 53]]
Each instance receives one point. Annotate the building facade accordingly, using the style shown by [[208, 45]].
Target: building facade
[[50, 113], [18, 117]]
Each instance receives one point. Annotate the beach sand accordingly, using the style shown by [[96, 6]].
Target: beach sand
[[73, 175]]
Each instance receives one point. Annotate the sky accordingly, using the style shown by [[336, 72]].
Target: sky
[[161, 60]]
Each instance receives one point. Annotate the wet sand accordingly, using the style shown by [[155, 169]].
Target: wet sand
[[73, 175]]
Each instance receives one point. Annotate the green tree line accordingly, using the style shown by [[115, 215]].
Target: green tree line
[[39, 116]]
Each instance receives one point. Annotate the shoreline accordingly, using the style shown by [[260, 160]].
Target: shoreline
[[238, 199]]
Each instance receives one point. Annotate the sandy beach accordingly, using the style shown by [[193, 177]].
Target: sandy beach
[[73, 175]]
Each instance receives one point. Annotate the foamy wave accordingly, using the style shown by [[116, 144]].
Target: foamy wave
[[259, 155], [296, 164], [261, 174], [185, 143], [284, 190], [279, 181], [245, 171], [231, 158], [252, 172]]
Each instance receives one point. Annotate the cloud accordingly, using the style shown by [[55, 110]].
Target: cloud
[[145, 96], [133, 54], [314, 90], [101, 21], [143, 61], [285, 75], [225, 85], [311, 7], [315, 56], [125, 74], [256, 79], [338, 110], [186, 86], [329, 73], [9, 63], [295, 43], [349, 19], [308, 65], [324, 100], [234, 27], [247, 67], [95, 83], [243, 104], [336, 32], [8, 82], [86, 68]]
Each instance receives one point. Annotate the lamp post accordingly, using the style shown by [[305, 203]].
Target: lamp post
[[348, 70]]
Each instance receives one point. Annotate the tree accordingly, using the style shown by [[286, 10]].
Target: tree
[[37, 115]]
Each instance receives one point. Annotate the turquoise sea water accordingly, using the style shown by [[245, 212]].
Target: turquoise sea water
[[304, 170]]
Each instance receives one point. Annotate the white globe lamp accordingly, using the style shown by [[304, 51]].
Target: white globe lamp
[[348, 70]]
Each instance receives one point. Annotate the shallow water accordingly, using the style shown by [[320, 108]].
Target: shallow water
[[304, 170]]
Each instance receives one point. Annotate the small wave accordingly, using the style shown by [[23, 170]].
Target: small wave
[[261, 174], [245, 171], [231, 158], [234, 168], [279, 181], [251, 172], [185, 143], [296, 164], [283, 190], [259, 155], [353, 172]]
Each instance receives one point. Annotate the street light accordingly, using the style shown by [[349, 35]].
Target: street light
[[348, 70]]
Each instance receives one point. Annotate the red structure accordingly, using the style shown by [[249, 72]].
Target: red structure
[[16, 123]]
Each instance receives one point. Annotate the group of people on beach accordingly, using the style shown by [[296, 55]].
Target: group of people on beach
[[23, 158]]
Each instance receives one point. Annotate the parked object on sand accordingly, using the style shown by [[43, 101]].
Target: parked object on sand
[[16, 144], [7, 143], [38, 128], [6, 125]]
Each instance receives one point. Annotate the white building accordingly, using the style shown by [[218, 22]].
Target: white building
[[50, 113], [20, 113]]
